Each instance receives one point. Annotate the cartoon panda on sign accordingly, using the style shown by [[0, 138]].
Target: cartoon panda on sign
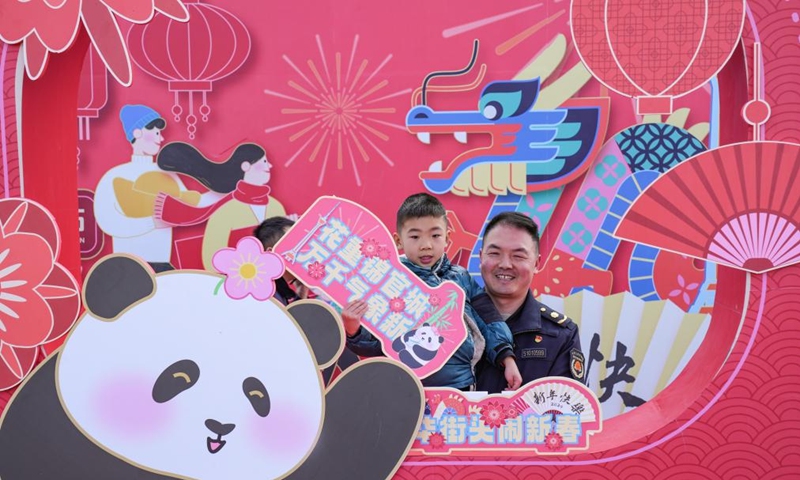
[[417, 347], [165, 376]]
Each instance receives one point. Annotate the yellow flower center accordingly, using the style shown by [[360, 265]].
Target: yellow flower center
[[248, 271]]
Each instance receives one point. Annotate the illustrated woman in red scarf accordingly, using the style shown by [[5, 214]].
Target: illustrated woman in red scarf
[[243, 179]]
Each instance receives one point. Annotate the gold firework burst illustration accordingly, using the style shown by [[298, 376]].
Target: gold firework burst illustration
[[340, 110]]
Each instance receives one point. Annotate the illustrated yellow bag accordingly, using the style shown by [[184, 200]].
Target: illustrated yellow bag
[[137, 199]]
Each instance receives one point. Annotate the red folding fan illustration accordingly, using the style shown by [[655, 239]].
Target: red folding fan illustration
[[736, 205]]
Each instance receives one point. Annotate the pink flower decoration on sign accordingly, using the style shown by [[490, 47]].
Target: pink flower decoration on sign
[[554, 441], [249, 269], [493, 415], [436, 440], [369, 248], [316, 270], [383, 252], [511, 412], [397, 304], [434, 300]]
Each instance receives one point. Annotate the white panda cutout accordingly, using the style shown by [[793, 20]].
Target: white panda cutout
[[237, 391]]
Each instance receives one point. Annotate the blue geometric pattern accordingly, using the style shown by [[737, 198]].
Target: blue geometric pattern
[[640, 272], [657, 146], [605, 245]]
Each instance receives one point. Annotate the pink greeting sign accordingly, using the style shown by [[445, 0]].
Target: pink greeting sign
[[549, 416], [343, 249]]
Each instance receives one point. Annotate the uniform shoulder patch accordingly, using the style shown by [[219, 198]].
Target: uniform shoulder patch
[[558, 318], [577, 364]]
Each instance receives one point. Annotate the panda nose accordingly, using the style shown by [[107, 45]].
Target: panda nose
[[219, 428]]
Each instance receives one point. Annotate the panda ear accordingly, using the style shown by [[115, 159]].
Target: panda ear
[[116, 283], [322, 328]]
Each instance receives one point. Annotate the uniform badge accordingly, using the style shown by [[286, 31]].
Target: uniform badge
[[533, 353], [537, 338], [576, 364]]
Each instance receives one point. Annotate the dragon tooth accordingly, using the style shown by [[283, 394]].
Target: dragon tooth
[[424, 137], [461, 137], [435, 166]]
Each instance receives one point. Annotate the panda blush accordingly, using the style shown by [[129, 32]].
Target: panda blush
[[123, 403], [284, 431]]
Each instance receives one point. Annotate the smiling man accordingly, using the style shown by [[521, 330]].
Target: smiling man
[[546, 343]]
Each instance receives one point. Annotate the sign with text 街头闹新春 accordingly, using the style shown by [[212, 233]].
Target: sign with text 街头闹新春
[[549, 416]]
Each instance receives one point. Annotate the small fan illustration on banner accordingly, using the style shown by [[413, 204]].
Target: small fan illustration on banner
[[555, 398]]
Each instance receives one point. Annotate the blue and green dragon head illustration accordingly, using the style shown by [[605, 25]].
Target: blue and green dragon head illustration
[[556, 145]]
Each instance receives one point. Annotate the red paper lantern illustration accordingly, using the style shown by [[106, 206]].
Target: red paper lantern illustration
[[92, 92], [655, 50], [191, 56]]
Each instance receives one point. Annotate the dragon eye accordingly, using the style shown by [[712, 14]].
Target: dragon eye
[[493, 111]]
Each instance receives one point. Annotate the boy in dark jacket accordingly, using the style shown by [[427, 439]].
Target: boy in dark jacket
[[422, 234]]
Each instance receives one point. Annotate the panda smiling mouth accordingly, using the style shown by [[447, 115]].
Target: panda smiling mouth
[[220, 430], [215, 445]]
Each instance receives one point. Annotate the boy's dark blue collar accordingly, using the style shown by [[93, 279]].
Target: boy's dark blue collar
[[441, 266]]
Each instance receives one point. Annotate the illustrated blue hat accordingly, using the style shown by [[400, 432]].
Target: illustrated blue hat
[[136, 117]]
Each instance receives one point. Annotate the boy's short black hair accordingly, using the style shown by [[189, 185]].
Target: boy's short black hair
[[271, 230], [420, 205], [516, 220]]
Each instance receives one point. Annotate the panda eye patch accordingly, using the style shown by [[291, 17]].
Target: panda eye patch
[[256, 393], [177, 378]]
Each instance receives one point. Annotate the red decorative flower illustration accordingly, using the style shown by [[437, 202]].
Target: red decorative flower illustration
[[434, 300], [369, 248], [316, 270], [397, 304], [493, 414], [511, 412], [383, 252], [39, 299], [436, 441], [553, 441], [47, 27]]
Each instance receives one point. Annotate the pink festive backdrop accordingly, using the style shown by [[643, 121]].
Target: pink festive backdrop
[[325, 89]]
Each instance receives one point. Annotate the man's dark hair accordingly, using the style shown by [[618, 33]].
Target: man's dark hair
[[514, 220], [271, 230], [158, 123], [419, 205]]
